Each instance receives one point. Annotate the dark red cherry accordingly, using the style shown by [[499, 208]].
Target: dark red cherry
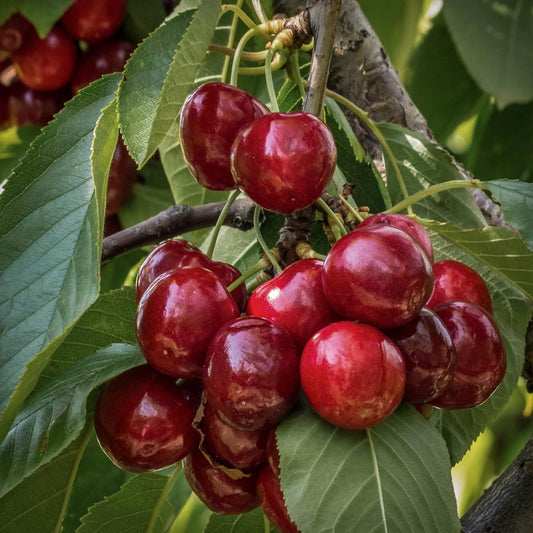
[[429, 356], [294, 300], [210, 119], [4, 106], [111, 225], [456, 281], [15, 32], [46, 64], [240, 449], [352, 375], [284, 161], [216, 489], [481, 359], [122, 178], [251, 373], [94, 20], [143, 420], [178, 316], [272, 501], [177, 253], [103, 58], [405, 223], [377, 275]]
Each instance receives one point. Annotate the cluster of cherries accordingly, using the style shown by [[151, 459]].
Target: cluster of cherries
[[37, 76]]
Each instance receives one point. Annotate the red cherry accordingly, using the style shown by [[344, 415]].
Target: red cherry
[[272, 501], [294, 300], [178, 316], [94, 20], [377, 275], [284, 161], [122, 178], [405, 223], [111, 225], [46, 64], [177, 253], [240, 449], [210, 119], [15, 32], [103, 58], [429, 356], [456, 281], [143, 420], [220, 493], [481, 359], [352, 375], [251, 373]]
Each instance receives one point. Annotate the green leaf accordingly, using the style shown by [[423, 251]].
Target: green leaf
[[516, 199], [423, 163], [13, 143], [443, 90], [505, 263], [159, 76], [492, 39], [393, 477], [252, 522], [115, 273], [54, 416], [142, 17], [39, 502], [49, 242]]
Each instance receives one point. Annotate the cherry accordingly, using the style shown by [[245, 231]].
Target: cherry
[[251, 373], [46, 64], [177, 253], [122, 178], [210, 119], [456, 281], [352, 375], [178, 316], [377, 275], [240, 449], [272, 501], [111, 225], [104, 58], [481, 360], [294, 300], [14, 33], [405, 223], [143, 419], [94, 20], [284, 161], [429, 356], [220, 493], [4, 106]]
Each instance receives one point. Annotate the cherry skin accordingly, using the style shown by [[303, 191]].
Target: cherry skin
[[405, 223], [294, 300], [352, 375], [122, 178], [251, 373], [218, 491], [176, 253], [112, 225], [143, 420], [272, 502], [178, 316], [104, 58], [15, 32], [377, 275], [481, 359], [429, 356], [46, 64], [456, 281], [94, 20], [210, 118], [284, 161], [239, 449]]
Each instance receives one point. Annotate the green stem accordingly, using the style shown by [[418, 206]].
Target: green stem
[[258, 8], [231, 40], [262, 242], [435, 189], [269, 81], [294, 72], [371, 125], [236, 8], [260, 265], [163, 498], [238, 53], [350, 208], [230, 52], [216, 230], [323, 205], [266, 524], [276, 64]]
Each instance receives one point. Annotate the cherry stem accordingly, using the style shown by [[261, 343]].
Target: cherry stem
[[350, 208], [260, 265], [258, 8], [435, 189], [262, 242], [237, 10], [294, 72], [371, 125], [220, 221], [231, 38], [266, 524], [331, 216], [162, 500], [238, 53], [230, 52], [269, 81]]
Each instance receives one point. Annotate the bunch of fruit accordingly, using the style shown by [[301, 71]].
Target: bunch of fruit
[[376, 323]]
